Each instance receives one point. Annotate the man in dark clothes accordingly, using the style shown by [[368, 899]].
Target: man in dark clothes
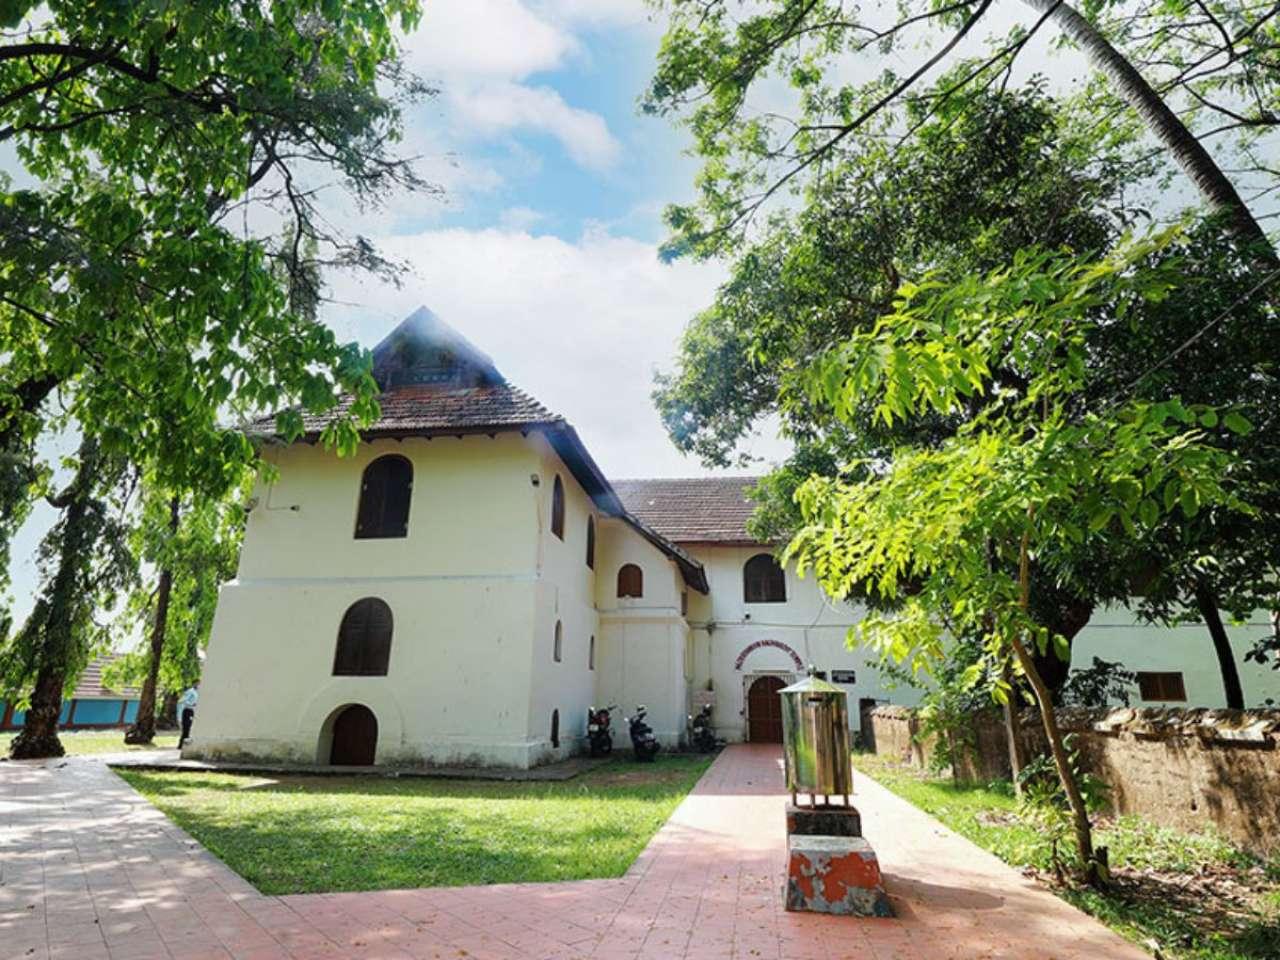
[[187, 709]]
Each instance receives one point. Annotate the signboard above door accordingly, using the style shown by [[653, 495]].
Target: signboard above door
[[844, 676]]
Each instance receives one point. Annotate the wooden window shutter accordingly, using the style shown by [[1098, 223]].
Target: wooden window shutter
[[763, 580], [386, 490], [364, 640], [1162, 685], [557, 508], [630, 581]]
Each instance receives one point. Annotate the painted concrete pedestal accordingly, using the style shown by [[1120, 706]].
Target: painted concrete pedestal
[[831, 868]]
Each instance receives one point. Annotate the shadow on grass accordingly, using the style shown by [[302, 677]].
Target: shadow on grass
[[1185, 919]]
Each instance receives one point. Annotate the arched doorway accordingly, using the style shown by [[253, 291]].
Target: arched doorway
[[355, 737], [764, 710]]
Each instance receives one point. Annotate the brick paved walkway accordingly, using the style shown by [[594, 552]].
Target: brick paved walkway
[[90, 870]]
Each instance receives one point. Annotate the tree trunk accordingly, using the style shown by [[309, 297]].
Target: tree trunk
[[55, 620], [1213, 185], [168, 718], [1013, 731], [1208, 605], [39, 734], [144, 727], [1095, 871]]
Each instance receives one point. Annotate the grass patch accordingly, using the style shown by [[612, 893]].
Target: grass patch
[[310, 834], [1197, 896], [79, 743]]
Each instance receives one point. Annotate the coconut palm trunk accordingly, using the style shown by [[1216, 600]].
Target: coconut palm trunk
[[1188, 152]]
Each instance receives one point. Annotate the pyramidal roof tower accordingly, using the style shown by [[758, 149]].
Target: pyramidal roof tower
[[424, 350]]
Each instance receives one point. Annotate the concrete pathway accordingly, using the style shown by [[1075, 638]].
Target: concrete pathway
[[90, 870]]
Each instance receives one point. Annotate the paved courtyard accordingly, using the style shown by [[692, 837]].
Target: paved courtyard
[[90, 870]]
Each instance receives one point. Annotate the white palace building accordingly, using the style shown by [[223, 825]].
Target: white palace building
[[465, 586]]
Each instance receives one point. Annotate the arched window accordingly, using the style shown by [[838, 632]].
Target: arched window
[[763, 580], [591, 542], [557, 508], [557, 650], [384, 498], [591, 654], [630, 581], [364, 640], [555, 728]]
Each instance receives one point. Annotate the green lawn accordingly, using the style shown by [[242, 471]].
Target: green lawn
[[81, 742], [316, 834], [1196, 895]]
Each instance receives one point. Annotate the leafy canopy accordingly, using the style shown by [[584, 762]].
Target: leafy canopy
[[131, 283], [941, 530]]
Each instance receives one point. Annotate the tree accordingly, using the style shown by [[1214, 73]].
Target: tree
[[133, 285], [1212, 343], [949, 532], [84, 564], [194, 544], [713, 55], [133, 290], [989, 174], [713, 59]]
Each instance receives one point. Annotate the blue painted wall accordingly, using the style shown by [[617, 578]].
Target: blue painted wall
[[88, 713], [97, 711]]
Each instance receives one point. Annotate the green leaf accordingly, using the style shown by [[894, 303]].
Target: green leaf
[[1237, 424]]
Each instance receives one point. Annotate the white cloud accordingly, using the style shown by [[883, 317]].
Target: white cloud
[[482, 53], [519, 219], [598, 13], [501, 108], [485, 38], [580, 325]]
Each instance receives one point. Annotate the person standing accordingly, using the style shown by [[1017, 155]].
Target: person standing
[[187, 708]]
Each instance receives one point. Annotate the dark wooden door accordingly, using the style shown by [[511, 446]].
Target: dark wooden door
[[355, 737], [764, 710]]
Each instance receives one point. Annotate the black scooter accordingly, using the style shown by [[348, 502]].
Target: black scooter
[[702, 735], [599, 736], [644, 745]]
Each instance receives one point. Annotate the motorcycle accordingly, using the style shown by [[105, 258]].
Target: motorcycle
[[644, 745], [702, 735], [599, 736]]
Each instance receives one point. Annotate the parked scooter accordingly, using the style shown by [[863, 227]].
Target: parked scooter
[[702, 735], [644, 745], [599, 736]]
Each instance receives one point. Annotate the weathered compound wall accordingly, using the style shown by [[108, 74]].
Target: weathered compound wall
[[1186, 769]]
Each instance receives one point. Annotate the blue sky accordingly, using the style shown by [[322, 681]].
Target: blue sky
[[543, 249]]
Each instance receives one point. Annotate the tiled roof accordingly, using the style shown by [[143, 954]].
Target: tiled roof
[[425, 409], [90, 684], [693, 510]]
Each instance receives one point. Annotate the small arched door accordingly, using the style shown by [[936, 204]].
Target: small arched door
[[355, 737], [764, 710]]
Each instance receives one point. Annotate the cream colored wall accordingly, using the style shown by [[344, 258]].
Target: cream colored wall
[[566, 592], [641, 650], [471, 512], [463, 588], [1115, 635], [724, 625]]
